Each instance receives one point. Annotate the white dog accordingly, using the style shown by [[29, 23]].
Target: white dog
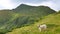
[[42, 27]]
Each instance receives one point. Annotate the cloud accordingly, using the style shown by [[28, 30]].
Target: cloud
[[6, 4], [10, 4], [52, 4]]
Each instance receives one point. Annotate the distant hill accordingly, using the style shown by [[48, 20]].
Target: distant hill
[[26, 9], [23, 15]]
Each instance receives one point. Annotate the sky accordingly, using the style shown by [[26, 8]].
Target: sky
[[11, 4]]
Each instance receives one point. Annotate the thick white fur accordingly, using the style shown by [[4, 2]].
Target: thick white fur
[[42, 27]]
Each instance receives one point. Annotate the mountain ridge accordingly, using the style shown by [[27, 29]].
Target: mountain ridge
[[28, 6]]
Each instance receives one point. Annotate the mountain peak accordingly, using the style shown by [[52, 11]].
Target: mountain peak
[[22, 4], [27, 8]]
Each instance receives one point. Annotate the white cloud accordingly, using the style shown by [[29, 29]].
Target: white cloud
[[10, 4], [6, 4], [50, 4]]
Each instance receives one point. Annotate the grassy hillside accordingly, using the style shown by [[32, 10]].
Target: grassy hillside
[[52, 21], [30, 14], [5, 17], [21, 16]]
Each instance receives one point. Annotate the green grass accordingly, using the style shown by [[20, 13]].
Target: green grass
[[52, 21], [22, 16]]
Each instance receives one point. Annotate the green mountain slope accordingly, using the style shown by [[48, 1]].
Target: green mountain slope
[[5, 16], [33, 10], [30, 14], [52, 21], [21, 16]]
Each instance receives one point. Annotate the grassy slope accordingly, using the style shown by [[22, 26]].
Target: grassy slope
[[52, 21], [5, 18], [24, 15], [30, 14]]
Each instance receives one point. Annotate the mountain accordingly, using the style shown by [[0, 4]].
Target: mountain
[[53, 26], [33, 13], [23, 15], [26, 9], [30, 14]]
